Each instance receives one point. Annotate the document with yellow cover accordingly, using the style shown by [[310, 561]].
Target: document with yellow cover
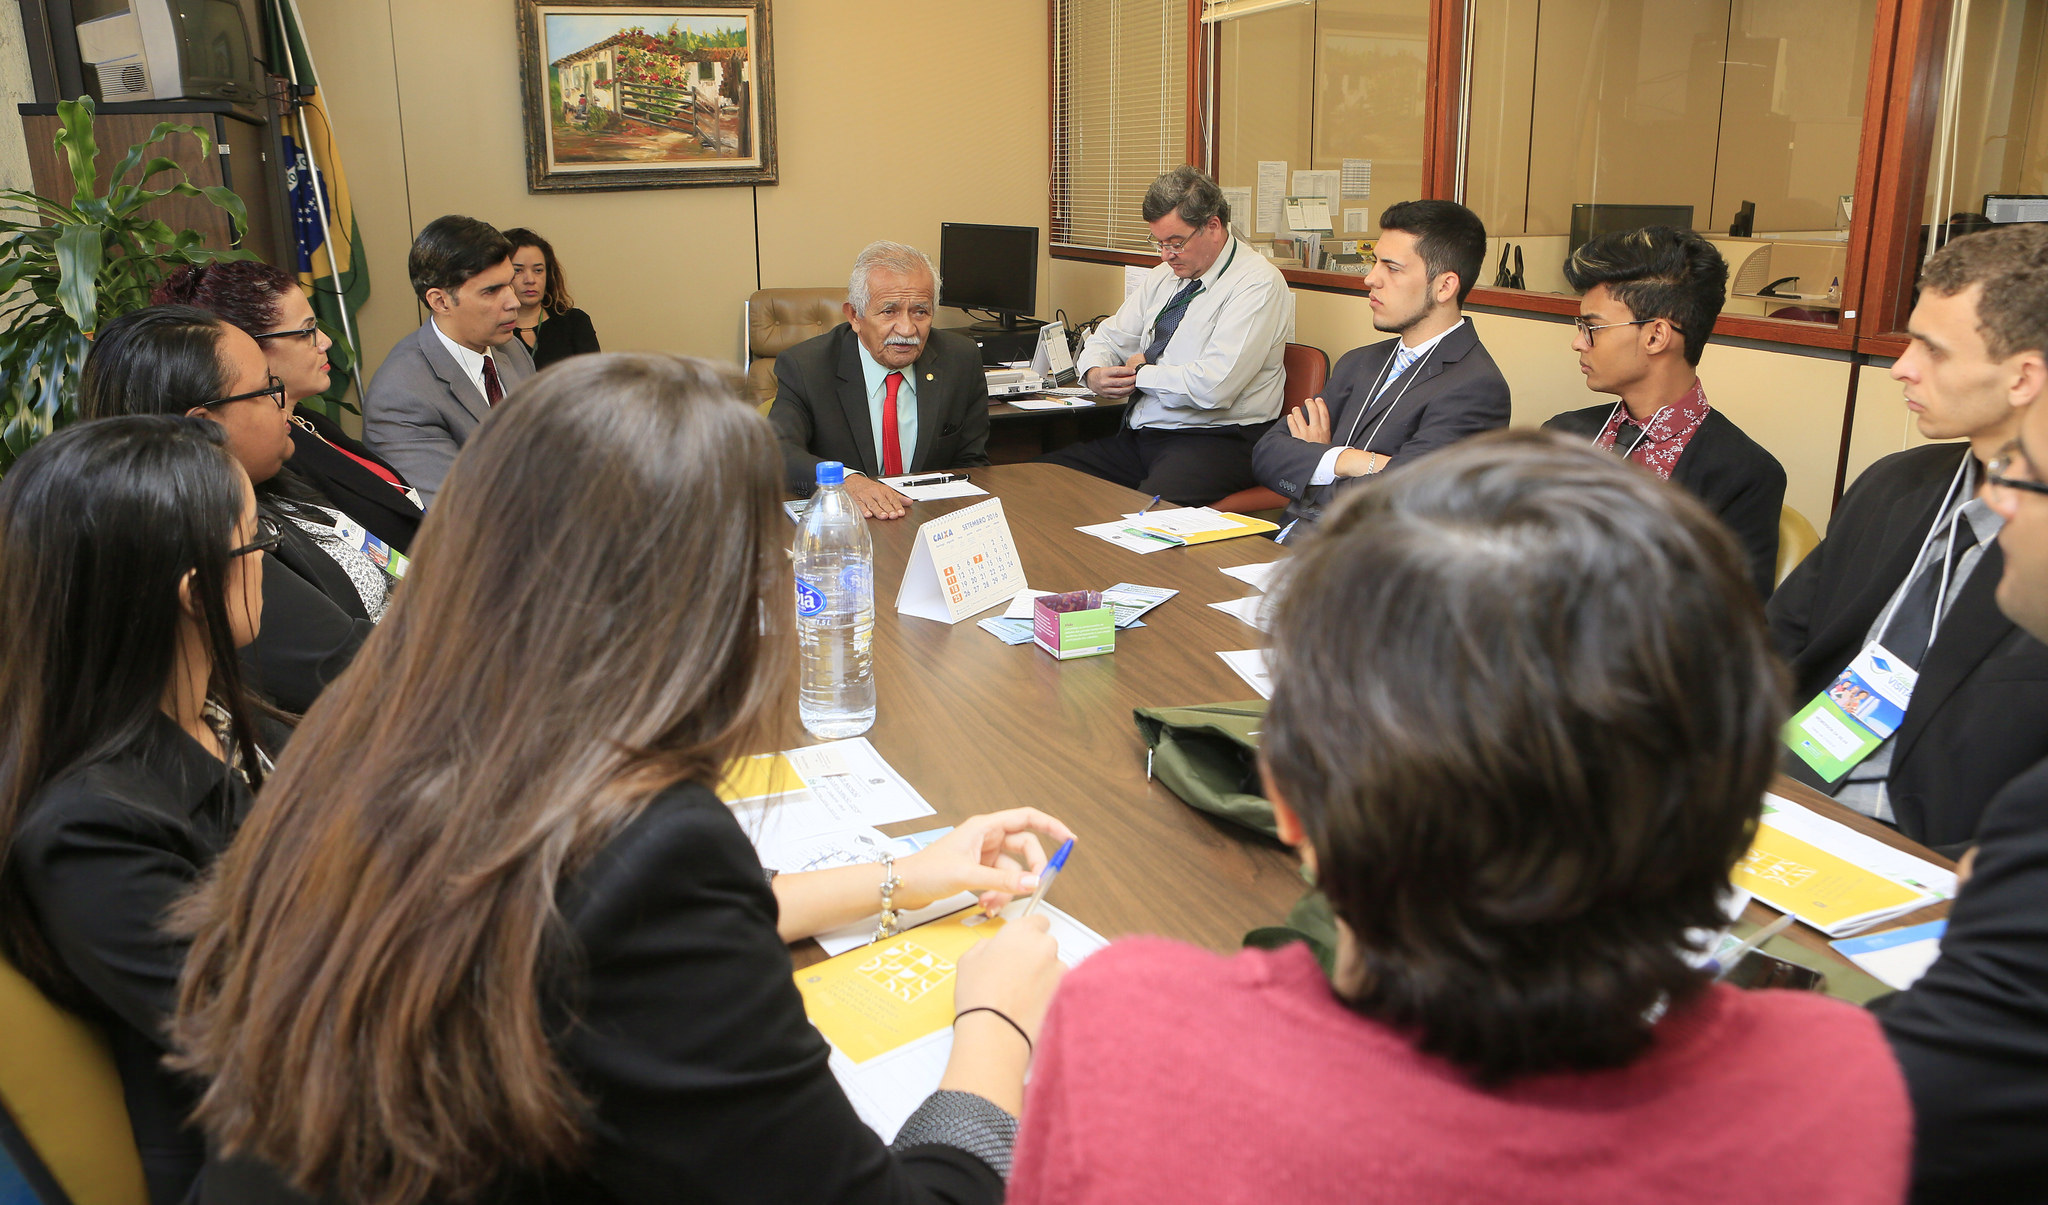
[[887, 1008], [1832, 877]]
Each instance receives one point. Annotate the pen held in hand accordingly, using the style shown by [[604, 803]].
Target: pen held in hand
[[1046, 876]]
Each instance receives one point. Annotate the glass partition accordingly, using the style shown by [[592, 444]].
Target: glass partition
[[1741, 119]]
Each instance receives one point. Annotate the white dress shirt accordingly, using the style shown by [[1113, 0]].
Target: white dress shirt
[[1326, 468], [471, 362], [1223, 365]]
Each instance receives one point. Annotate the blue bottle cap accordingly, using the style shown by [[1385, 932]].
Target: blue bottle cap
[[831, 472]]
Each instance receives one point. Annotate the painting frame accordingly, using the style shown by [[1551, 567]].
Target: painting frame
[[604, 143]]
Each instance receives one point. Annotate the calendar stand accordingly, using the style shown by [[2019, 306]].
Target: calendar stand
[[963, 564]]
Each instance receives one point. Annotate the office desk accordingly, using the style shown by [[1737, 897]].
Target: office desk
[[1017, 435], [977, 725]]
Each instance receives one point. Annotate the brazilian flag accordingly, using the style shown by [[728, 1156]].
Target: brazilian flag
[[331, 263]]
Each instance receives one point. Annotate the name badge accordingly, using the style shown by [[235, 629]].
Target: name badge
[[1859, 711], [393, 562]]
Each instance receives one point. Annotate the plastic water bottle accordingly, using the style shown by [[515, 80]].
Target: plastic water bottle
[[835, 611]]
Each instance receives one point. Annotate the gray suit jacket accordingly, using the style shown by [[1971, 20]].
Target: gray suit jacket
[[821, 407], [1453, 392], [422, 407]]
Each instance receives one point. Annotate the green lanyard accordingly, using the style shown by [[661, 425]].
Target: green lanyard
[[1199, 288]]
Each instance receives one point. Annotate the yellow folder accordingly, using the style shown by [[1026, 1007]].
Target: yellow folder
[[1824, 890], [874, 999], [1246, 526]]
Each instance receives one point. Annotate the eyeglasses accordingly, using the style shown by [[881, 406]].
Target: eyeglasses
[[268, 536], [274, 391], [1997, 473], [1587, 328], [1174, 246], [308, 332]]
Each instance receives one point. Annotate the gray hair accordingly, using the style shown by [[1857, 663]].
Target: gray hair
[[889, 257], [1189, 192]]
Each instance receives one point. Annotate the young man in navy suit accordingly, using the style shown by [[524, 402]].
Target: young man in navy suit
[[1432, 385]]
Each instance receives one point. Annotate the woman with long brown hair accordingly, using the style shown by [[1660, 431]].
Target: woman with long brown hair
[[490, 935]]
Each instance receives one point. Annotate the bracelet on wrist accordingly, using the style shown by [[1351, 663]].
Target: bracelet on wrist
[[1029, 1049], [886, 927]]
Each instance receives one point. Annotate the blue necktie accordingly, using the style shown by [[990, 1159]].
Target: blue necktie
[[1169, 320], [1404, 356]]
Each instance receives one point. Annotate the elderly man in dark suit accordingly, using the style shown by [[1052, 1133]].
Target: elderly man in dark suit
[[884, 394], [1913, 557], [1972, 1034], [1395, 400], [440, 382]]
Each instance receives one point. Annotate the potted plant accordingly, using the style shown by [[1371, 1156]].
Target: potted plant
[[65, 268]]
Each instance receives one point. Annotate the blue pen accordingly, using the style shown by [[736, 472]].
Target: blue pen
[[1151, 504], [1046, 876]]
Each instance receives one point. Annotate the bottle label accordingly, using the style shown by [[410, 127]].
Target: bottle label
[[809, 599]]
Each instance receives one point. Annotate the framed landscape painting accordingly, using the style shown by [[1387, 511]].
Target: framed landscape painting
[[647, 95]]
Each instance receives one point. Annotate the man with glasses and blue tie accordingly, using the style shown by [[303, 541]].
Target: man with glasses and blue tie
[[1198, 349], [1431, 386], [1909, 572], [1648, 300]]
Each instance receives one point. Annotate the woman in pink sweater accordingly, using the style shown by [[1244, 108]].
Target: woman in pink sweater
[[1525, 711]]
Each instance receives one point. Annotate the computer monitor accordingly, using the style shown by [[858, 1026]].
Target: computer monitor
[[1590, 219], [992, 268], [2005, 207]]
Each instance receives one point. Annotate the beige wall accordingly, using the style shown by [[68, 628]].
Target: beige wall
[[886, 129], [1790, 403], [15, 87]]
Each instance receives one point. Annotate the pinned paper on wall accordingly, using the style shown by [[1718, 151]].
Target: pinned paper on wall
[[1272, 192], [1240, 202], [1322, 184], [1134, 279], [1357, 221], [963, 564], [1357, 177]]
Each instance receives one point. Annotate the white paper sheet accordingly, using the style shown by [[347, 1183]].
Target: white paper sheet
[[1898, 957], [1308, 183], [1183, 520], [847, 786], [1272, 179], [929, 493], [1020, 606], [1251, 609], [1240, 202], [1357, 221], [1357, 176], [887, 1089], [1134, 279], [1119, 534], [1250, 665], [1060, 400], [1258, 577]]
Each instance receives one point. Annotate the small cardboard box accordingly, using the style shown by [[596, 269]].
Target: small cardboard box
[[1073, 625]]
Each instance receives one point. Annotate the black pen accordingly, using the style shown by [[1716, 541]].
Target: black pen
[[934, 479]]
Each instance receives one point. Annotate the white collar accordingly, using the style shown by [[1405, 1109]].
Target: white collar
[[1435, 339], [471, 362]]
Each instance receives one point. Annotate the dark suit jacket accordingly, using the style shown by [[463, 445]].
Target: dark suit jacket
[[1980, 710], [103, 853], [350, 488], [677, 1014], [1454, 391], [421, 406], [313, 622], [821, 407], [1725, 469], [1972, 1034]]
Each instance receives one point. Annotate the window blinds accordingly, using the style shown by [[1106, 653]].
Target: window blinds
[[1119, 115]]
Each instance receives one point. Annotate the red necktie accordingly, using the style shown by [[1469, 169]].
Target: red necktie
[[892, 443], [493, 391]]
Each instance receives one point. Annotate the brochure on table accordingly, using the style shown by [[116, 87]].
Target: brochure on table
[[1834, 878], [887, 1010], [828, 788], [963, 564], [1175, 527]]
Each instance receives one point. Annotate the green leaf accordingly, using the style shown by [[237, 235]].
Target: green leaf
[[226, 199], [75, 140], [79, 257]]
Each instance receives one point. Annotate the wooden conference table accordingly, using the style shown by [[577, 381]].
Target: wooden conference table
[[977, 725]]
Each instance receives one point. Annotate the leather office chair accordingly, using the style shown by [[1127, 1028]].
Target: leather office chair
[[779, 319], [1796, 538], [1306, 369], [65, 1125]]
